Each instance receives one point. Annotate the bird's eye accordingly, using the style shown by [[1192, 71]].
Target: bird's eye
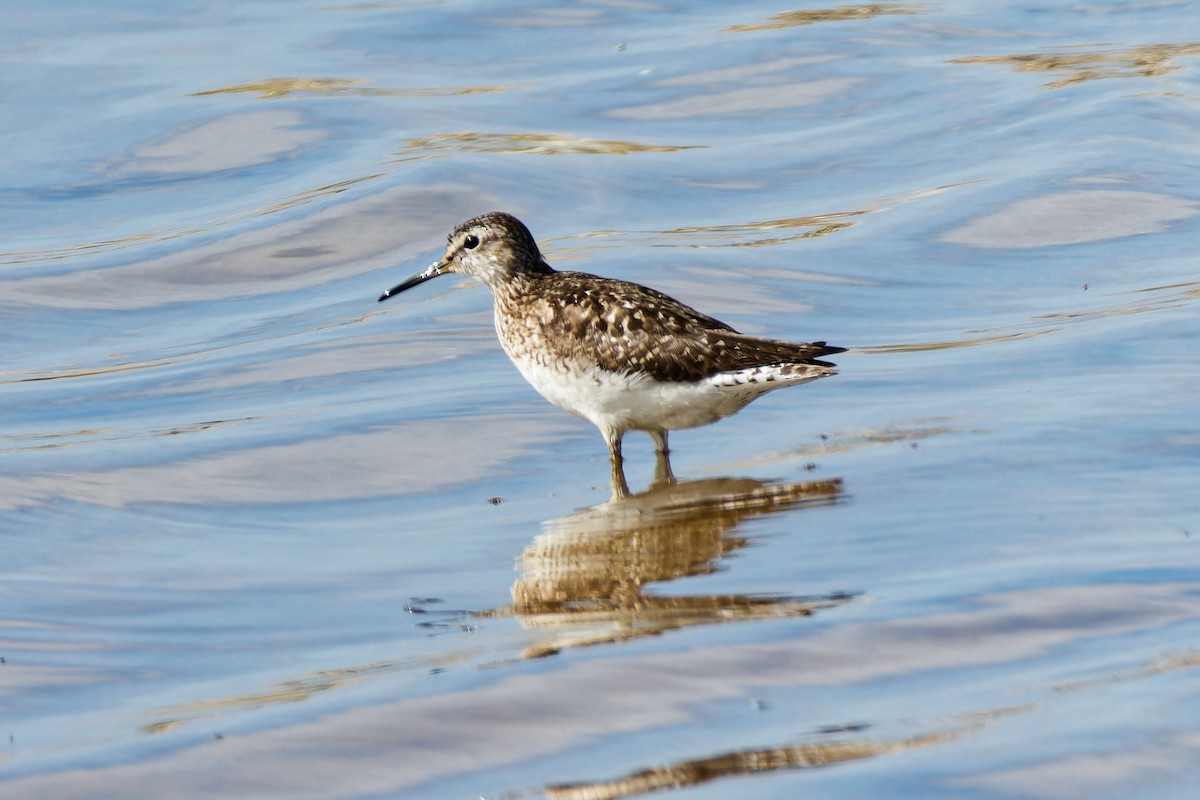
[[471, 242]]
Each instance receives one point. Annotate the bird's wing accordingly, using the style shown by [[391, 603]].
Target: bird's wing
[[628, 328]]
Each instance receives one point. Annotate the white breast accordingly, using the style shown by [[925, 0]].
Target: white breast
[[636, 402]]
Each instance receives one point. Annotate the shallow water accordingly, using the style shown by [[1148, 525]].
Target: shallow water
[[264, 537]]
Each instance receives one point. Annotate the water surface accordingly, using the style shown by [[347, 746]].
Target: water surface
[[264, 537]]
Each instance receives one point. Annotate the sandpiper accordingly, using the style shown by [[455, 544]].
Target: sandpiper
[[618, 354]]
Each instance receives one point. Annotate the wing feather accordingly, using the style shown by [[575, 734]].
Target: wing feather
[[628, 328]]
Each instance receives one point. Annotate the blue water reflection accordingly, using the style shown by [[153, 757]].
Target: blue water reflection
[[261, 536]]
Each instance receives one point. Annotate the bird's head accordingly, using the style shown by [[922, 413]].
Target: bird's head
[[493, 248]]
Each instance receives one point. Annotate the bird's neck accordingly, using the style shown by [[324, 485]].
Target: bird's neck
[[523, 281]]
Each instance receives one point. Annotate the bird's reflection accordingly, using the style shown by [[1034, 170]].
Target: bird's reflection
[[583, 577]]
